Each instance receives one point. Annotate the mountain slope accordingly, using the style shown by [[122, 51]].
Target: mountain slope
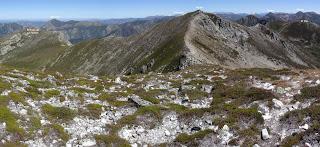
[[195, 38], [32, 51], [249, 20], [217, 41], [77, 31], [306, 35], [121, 55]]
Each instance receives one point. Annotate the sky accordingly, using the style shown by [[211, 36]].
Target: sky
[[105, 9]]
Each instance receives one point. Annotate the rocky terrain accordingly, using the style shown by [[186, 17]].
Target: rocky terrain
[[197, 79], [198, 106]]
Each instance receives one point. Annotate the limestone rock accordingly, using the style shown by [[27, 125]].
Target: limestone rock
[[305, 127], [265, 134], [138, 101], [207, 88], [277, 103]]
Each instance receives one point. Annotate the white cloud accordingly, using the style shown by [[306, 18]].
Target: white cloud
[[300, 9], [270, 10], [178, 13], [55, 17], [199, 8]]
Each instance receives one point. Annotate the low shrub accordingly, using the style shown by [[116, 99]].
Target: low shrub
[[308, 93], [94, 110], [111, 140], [51, 93], [11, 123], [59, 130], [185, 138], [60, 113]]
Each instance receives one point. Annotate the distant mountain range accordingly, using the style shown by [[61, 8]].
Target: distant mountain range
[[9, 28], [77, 31], [162, 44]]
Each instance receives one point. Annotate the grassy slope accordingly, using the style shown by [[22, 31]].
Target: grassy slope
[[163, 44], [75, 55], [38, 54]]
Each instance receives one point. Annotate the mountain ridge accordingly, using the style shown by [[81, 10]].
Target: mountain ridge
[[161, 50], [196, 38]]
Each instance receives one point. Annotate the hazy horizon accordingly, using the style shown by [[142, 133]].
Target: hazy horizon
[[101, 19], [117, 9]]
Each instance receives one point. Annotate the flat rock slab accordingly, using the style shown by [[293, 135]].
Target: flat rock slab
[[139, 102]]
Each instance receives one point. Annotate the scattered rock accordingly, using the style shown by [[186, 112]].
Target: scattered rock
[[167, 133], [256, 145], [118, 80], [138, 101], [147, 128], [185, 87], [265, 134], [225, 135], [281, 90], [308, 144], [207, 88], [277, 103], [88, 143], [304, 127], [51, 79]]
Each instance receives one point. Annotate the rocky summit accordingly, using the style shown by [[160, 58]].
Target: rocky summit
[[198, 106]]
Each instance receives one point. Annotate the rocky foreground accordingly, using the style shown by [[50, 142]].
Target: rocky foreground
[[199, 106]]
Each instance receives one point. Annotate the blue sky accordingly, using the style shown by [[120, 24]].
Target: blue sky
[[46, 9]]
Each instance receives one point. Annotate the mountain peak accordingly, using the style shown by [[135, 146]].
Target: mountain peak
[[55, 22], [299, 13], [249, 20], [197, 12]]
